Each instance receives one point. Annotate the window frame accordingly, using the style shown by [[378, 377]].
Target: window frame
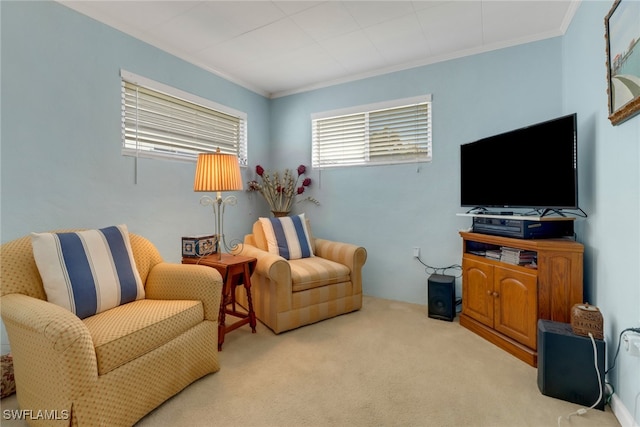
[[188, 154], [367, 110]]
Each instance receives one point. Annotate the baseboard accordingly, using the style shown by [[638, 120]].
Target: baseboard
[[622, 413]]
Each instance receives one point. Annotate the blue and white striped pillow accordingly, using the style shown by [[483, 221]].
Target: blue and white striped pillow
[[88, 272], [287, 236]]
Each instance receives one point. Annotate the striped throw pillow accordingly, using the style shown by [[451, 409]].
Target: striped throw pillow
[[287, 236], [88, 272]]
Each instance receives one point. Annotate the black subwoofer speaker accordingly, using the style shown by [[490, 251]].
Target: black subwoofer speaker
[[566, 366], [441, 296]]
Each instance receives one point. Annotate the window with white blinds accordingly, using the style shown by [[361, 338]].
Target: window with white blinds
[[397, 131], [161, 121]]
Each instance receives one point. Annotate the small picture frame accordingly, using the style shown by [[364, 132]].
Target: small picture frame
[[199, 246], [622, 35]]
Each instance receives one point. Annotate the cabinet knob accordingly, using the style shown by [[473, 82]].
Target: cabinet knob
[[495, 294], [489, 293]]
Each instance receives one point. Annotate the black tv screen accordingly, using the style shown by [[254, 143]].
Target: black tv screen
[[532, 167]]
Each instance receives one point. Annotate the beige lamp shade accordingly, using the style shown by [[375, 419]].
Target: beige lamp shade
[[217, 172]]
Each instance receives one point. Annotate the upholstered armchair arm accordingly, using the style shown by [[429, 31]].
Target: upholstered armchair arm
[[271, 266], [347, 254], [39, 330], [170, 281]]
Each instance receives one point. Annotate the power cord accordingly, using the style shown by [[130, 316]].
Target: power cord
[[636, 330], [440, 270], [577, 212], [611, 391], [583, 411]]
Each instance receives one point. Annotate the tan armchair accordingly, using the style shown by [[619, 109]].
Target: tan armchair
[[112, 368], [291, 293]]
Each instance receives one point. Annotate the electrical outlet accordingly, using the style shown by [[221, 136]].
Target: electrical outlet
[[631, 344], [416, 252], [634, 346], [625, 340]]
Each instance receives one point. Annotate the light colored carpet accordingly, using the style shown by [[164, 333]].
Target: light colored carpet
[[388, 364]]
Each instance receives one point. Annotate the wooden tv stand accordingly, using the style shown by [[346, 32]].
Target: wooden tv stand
[[502, 302]]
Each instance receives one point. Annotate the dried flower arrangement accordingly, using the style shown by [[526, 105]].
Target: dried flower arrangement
[[280, 189]]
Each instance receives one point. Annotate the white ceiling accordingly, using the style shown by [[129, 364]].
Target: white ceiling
[[281, 47]]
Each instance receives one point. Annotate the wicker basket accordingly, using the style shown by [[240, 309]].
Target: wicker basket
[[587, 318], [8, 380]]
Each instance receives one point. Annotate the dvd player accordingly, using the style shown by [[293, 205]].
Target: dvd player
[[523, 228]]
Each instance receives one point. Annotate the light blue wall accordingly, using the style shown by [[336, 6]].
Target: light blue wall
[[609, 161], [391, 209]]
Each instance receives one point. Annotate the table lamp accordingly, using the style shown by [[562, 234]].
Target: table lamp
[[218, 172]]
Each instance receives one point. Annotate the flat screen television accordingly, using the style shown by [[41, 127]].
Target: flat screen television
[[531, 167]]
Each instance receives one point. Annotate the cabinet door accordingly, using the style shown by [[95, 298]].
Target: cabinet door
[[477, 291], [516, 305]]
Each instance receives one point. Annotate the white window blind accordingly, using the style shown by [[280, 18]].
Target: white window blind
[[392, 132], [160, 121]]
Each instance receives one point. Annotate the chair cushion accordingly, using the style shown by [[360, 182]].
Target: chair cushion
[[258, 235], [287, 236], [88, 272], [260, 241], [309, 273], [129, 331]]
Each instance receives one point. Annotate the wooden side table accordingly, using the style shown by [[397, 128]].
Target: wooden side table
[[235, 270]]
